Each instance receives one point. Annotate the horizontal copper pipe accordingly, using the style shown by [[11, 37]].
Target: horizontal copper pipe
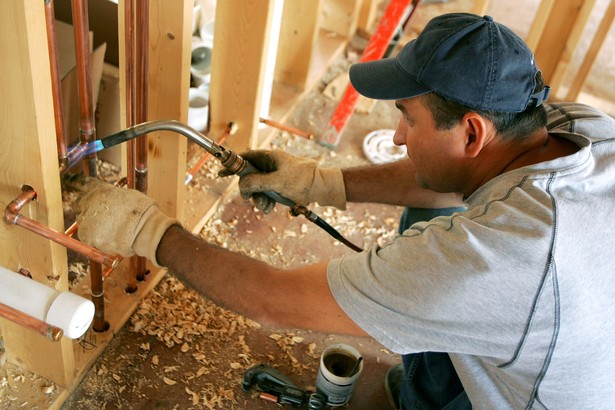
[[50, 332], [286, 128], [13, 216]]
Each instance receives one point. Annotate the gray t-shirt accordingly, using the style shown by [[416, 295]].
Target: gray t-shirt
[[519, 289]]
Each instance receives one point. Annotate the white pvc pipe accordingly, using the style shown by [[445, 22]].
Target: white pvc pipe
[[71, 313]]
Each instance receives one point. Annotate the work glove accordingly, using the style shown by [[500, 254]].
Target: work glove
[[298, 179], [120, 221]]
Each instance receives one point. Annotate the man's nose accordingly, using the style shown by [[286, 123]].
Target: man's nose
[[399, 138]]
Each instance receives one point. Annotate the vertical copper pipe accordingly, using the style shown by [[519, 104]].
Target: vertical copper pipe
[[130, 96], [88, 133], [56, 84], [87, 129], [130, 87], [142, 41], [136, 24]]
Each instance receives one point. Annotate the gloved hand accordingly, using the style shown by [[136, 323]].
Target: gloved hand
[[120, 221], [298, 179]]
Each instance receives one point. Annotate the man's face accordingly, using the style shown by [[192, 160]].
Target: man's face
[[435, 153]]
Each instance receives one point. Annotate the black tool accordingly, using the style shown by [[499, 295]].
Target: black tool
[[275, 386]]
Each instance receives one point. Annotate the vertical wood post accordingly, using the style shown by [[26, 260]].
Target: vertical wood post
[[241, 39], [28, 155]]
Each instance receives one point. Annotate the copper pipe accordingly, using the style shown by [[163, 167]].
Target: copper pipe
[[141, 66], [13, 216], [286, 128], [138, 60], [131, 112], [50, 332], [130, 88], [87, 133], [231, 128], [56, 81], [87, 129]]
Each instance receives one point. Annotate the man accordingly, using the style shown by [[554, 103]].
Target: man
[[516, 289]]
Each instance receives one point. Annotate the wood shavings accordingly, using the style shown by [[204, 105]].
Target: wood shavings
[[168, 381]]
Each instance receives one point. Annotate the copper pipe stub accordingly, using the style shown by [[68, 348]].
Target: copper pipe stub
[[52, 333]]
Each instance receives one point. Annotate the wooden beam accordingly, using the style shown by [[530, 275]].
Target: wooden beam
[[367, 15], [340, 16], [28, 155], [169, 79], [241, 40], [592, 53], [560, 38], [298, 35], [541, 18]]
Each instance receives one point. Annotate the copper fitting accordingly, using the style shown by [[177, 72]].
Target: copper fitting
[[13, 216]]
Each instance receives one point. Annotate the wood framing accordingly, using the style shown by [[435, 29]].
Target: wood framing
[[27, 148], [559, 36], [592, 53], [298, 34], [241, 40]]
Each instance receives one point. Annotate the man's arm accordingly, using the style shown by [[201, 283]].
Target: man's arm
[[304, 182], [297, 298], [394, 184]]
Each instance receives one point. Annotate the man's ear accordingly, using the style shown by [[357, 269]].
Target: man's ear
[[478, 133]]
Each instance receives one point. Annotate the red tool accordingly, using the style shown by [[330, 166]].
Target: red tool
[[393, 17]]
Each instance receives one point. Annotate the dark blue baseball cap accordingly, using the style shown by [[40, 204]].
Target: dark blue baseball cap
[[466, 58]]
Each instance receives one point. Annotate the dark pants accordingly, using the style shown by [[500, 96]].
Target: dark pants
[[430, 380]]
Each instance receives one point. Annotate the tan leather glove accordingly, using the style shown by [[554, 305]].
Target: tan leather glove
[[120, 221], [298, 179]]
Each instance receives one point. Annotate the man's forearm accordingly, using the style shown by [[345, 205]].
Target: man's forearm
[[393, 184], [284, 298]]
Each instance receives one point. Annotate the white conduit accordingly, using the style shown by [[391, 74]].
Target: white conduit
[[71, 313]]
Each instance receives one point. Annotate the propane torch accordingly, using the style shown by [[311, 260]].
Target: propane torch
[[233, 162]]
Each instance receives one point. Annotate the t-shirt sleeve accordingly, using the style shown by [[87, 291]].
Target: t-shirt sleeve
[[451, 284]]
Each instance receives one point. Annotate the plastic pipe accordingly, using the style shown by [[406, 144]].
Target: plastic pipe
[[65, 310]]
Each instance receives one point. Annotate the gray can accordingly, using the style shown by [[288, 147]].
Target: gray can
[[340, 368]]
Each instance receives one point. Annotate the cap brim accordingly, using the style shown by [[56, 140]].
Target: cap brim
[[384, 80]]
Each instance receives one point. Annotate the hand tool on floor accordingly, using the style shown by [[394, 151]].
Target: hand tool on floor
[[276, 387], [393, 16], [230, 160]]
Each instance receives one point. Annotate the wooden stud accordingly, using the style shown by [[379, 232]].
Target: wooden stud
[[241, 40], [27, 156], [541, 18], [340, 16], [560, 38], [592, 53], [168, 82], [298, 35]]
